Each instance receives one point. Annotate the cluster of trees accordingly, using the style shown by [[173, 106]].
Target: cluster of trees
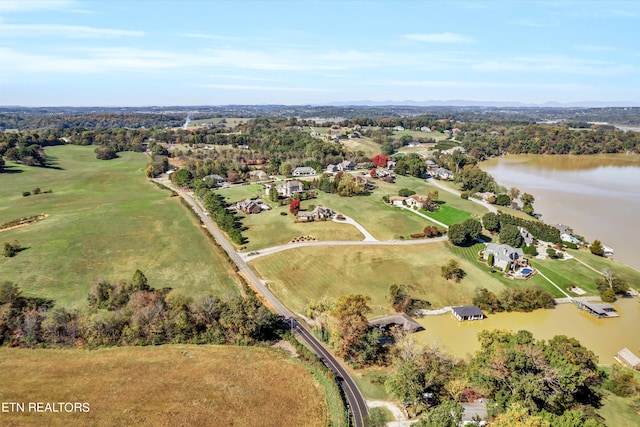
[[28, 155], [133, 313], [555, 376], [412, 164], [428, 232], [527, 381], [402, 302], [513, 299], [452, 271], [465, 232], [611, 286], [541, 231], [475, 180], [547, 139], [46, 120], [343, 184], [227, 220]]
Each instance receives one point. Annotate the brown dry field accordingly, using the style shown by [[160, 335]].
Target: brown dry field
[[162, 386]]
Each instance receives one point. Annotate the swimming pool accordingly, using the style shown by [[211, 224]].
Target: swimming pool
[[526, 271]]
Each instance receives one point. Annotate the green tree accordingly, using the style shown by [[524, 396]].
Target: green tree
[[182, 177], [140, 281], [486, 301], [447, 414], [407, 383], [596, 248], [457, 234], [503, 200], [273, 193], [452, 271], [405, 192], [491, 222], [527, 198], [434, 195], [472, 228], [490, 260], [10, 250], [286, 169], [510, 235]]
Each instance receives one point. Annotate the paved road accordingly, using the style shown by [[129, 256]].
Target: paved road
[[357, 404]]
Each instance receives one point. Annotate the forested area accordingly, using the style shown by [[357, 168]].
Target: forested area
[[134, 313]]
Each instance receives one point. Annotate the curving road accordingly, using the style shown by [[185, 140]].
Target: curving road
[[357, 404]]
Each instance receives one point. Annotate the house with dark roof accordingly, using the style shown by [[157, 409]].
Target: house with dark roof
[[467, 312], [248, 206], [400, 319]]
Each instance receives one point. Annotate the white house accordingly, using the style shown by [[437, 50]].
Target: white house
[[503, 255], [303, 171]]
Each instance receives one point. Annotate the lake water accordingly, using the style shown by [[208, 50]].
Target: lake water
[[598, 196], [605, 337]]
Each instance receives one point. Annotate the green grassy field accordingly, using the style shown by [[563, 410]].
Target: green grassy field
[[230, 122], [311, 274], [448, 215], [438, 136], [270, 228], [105, 220], [630, 275], [163, 386]]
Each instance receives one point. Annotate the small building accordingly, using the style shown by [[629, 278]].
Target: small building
[[217, 179], [304, 171], [397, 200], [391, 165], [628, 359], [431, 165], [287, 189], [331, 168], [258, 175], [346, 166], [400, 319], [566, 237], [443, 173], [467, 312]]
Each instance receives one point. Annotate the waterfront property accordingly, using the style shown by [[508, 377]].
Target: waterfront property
[[504, 256], [601, 310], [467, 312], [400, 319], [627, 358]]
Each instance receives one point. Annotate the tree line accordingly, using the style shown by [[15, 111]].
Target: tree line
[[134, 313]]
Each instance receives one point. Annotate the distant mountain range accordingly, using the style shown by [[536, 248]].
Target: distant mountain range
[[467, 103]]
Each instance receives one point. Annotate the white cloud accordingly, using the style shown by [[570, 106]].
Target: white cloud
[[439, 38], [68, 31]]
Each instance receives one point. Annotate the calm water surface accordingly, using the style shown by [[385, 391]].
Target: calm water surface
[[599, 196], [605, 337]]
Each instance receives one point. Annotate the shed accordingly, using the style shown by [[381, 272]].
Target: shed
[[467, 312], [627, 358]]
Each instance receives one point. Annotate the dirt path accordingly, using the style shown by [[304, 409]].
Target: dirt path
[[394, 408]]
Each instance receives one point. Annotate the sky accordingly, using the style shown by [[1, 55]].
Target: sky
[[164, 53]]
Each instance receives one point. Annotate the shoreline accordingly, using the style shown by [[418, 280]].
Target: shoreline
[[589, 193]]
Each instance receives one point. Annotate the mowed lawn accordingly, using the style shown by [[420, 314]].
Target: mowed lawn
[[163, 386], [105, 220], [315, 273], [270, 228]]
